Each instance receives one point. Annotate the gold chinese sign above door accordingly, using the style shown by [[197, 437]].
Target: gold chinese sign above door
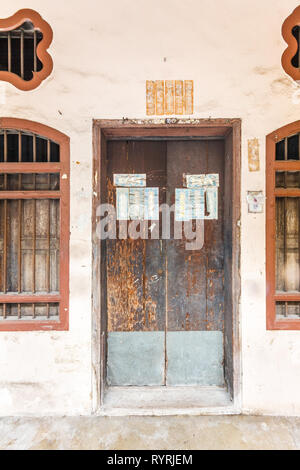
[[165, 97]]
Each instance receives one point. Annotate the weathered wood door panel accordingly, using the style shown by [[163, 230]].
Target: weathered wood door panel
[[195, 277], [136, 278], [165, 304], [195, 287]]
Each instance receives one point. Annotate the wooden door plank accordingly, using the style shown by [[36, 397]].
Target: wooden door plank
[[186, 269], [214, 243], [135, 268]]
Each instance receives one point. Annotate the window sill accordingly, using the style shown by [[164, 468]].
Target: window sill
[[190, 400]]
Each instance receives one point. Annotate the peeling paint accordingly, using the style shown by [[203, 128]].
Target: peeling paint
[[169, 97], [253, 155]]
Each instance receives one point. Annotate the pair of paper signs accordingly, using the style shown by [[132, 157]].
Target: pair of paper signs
[[199, 200]]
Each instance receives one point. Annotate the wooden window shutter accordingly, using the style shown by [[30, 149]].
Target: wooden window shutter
[[283, 228], [34, 226]]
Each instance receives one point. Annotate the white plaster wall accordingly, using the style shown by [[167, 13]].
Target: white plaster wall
[[103, 52]]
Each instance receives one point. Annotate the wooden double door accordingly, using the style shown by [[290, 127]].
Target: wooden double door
[[164, 300]]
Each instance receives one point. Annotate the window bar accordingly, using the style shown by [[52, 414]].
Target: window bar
[[299, 48], [48, 229], [285, 148], [9, 51], [22, 53], [20, 220], [284, 249], [284, 236], [285, 179], [5, 229], [299, 203], [299, 244], [20, 226], [34, 52], [4, 254], [34, 227]]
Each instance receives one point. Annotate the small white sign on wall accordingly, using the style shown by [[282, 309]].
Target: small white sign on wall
[[255, 200]]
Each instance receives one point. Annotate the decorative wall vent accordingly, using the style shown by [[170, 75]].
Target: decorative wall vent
[[169, 97], [291, 34], [24, 40]]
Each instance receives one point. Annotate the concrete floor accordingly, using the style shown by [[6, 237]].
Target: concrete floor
[[157, 433]]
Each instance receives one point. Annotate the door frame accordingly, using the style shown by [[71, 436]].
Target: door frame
[[104, 130]]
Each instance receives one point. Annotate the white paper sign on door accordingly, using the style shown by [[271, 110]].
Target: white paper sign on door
[[137, 203], [189, 204], [202, 181], [130, 180]]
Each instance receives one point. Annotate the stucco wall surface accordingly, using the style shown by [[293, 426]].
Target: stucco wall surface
[[103, 52]]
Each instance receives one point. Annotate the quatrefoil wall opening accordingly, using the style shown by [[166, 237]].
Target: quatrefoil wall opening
[[24, 40], [291, 56]]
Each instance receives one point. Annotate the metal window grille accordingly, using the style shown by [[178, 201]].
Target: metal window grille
[[18, 51], [296, 58], [291, 34], [24, 41]]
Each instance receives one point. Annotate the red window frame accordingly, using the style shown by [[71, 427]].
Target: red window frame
[[63, 168], [271, 192], [291, 50]]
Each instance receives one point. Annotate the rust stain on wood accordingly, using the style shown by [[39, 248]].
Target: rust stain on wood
[[129, 302], [135, 276]]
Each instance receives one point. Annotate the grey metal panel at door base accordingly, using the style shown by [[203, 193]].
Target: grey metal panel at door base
[[195, 358], [135, 358]]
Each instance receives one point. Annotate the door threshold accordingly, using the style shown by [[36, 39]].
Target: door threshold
[[149, 400]]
